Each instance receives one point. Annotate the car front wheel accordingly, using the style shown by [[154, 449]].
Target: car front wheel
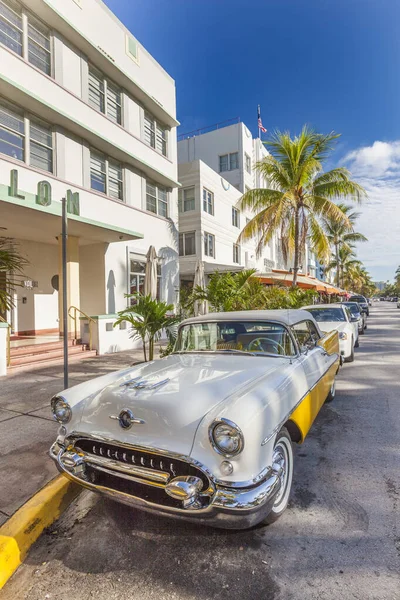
[[283, 460]]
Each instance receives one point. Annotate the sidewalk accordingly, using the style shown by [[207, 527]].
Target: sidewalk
[[27, 428]]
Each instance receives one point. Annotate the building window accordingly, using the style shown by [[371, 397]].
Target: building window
[[235, 217], [209, 244], [104, 96], [228, 162], [186, 200], [39, 53], [106, 176], [137, 268], [156, 199], [41, 146], [187, 244], [12, 132], [155, 134], [236, 254], [208, 201], [248, 163], [38, 50], [14, 142]]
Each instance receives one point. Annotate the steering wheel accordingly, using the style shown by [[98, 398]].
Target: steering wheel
[[256, 345]]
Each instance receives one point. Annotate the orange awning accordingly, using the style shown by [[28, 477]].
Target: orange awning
[[276, 277]]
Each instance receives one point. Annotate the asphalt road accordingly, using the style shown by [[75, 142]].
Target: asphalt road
[[339, 538]]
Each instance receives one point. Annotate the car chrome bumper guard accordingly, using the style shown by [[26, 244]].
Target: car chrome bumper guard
[[218, 506]]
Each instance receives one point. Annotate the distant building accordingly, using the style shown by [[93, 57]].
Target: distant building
[[380, 285], [215, 168], [209, 225]]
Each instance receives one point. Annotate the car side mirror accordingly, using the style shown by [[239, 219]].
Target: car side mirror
[[354, 319]]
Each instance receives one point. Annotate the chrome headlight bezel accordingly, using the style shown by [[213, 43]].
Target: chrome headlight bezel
[[58, 402], [234, 431]]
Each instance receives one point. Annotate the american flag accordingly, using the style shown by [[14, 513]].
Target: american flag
[[260, 125]]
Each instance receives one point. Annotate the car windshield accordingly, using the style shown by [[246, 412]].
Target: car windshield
[[353, 308], [327, 314], [247, 337], [358, 299]]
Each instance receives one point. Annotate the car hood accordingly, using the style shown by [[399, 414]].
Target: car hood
[[327, 326], [189, 387]]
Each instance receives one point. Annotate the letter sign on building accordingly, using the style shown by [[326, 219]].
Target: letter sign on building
[[43, 193], [14, 184], [43, 196]]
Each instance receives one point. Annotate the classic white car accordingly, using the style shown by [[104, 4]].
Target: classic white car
[[206, 433], [338, 317]]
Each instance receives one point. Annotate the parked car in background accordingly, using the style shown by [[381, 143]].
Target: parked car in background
[[358, 316], [395, 299], [398, 304], [337, 317], [362, 301], [204, 434]]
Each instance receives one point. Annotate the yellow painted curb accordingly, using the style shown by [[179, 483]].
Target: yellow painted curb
[[22, 529]]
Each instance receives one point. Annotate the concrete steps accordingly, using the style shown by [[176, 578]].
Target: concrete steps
[[46, 354]]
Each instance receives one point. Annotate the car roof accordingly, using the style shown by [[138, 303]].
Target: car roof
[[357, 296], [332, 305], [284, 316]]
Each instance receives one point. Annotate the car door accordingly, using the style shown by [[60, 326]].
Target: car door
[[319, 369]]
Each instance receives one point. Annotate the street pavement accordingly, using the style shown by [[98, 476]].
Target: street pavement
[[27, 427], [339, 538]]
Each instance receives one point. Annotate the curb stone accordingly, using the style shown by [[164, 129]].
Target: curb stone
[[22, 529]]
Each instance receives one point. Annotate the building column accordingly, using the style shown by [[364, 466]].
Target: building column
[[73, 289]]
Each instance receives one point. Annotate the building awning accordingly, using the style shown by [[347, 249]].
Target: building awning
[[43, 224], [276, 277]]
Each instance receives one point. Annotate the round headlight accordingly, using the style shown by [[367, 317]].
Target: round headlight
[[61, 410], [226, 437]]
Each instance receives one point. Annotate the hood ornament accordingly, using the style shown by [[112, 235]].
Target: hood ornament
[[126, 419], [142, 384]]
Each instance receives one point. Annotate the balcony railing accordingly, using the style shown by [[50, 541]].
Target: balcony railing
[[196, 132]]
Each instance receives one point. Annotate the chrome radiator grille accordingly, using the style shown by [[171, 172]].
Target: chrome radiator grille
[[127, 455]]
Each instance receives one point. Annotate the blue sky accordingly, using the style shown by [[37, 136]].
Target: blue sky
[[332, 63]]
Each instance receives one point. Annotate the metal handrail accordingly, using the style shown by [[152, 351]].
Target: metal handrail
[[8, 355], [76, 309]]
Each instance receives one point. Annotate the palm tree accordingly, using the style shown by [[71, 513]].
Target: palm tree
[[299, 196], [397, 276], [342, 235], [148, 318], [12, 264], [343, 262]]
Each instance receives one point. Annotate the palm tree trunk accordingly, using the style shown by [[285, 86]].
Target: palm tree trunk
[[337, 265], [144, 349], [151, 348], [296, 247]]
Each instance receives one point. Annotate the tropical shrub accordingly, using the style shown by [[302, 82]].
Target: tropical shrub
[[147, 318]]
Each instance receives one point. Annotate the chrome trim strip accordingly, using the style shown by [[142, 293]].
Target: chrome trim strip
[[278, 427], [113, 465]]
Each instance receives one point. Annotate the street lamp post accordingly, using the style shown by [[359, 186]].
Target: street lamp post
[[64, 237]]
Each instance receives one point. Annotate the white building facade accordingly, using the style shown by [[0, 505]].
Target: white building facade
[[210, 222], [85, 113], [215, 169]]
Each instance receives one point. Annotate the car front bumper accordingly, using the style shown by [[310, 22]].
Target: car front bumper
[[228, 508]]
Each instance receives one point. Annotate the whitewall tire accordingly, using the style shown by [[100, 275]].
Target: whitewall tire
[[282, 457]]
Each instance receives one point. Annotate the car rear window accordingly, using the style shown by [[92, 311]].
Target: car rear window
[[322, 315]]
